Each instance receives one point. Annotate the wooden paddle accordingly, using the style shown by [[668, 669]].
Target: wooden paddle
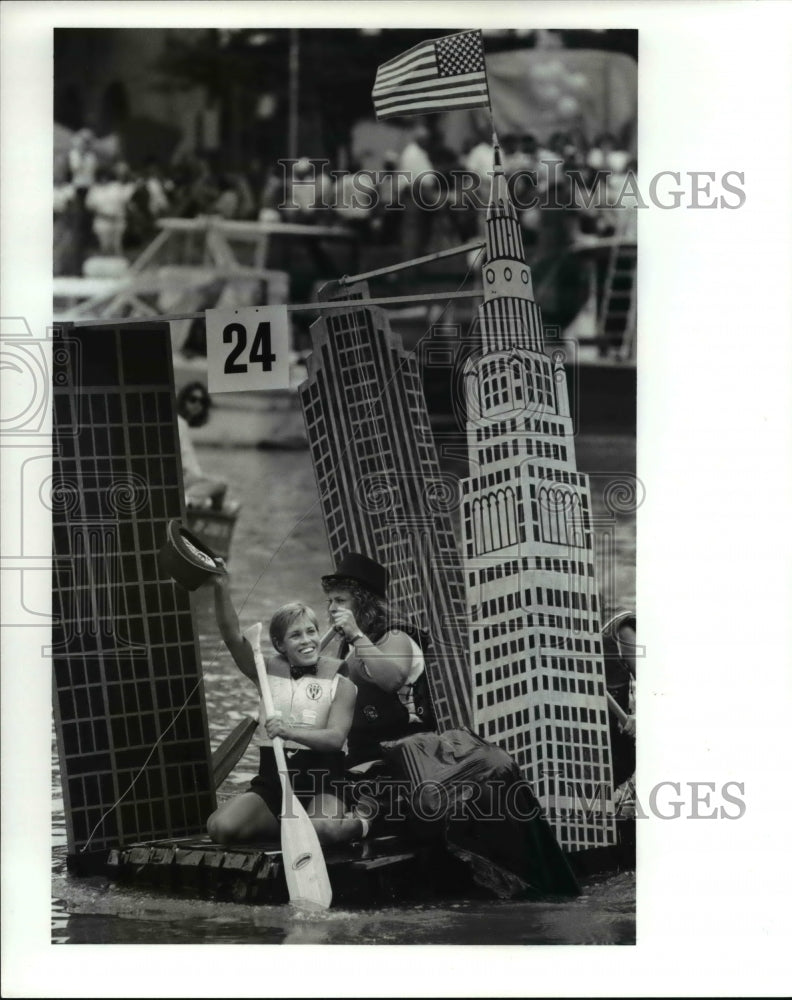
[[226, 756], [617, 710], [324, 641], [303, 860]]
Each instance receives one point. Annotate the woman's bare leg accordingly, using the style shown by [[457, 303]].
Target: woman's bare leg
[[332, 827], [245, 817]]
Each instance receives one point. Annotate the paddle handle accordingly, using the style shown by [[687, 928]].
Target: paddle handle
[[616, 708], [253, 636], [325, 640]]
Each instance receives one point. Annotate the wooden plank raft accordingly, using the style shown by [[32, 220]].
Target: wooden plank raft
[[383, 869]]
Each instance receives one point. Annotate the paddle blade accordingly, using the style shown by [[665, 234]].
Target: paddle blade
[[303, 861]]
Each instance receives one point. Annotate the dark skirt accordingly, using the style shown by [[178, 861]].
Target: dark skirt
[[312, 772]]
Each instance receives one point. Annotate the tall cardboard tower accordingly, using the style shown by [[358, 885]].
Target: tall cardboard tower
[[538, 683], [381, 487]]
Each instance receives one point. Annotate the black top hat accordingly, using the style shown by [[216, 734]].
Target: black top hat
[[361, 569], [185, 558]]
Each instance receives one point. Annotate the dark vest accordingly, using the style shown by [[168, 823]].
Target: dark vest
[[380, 715]]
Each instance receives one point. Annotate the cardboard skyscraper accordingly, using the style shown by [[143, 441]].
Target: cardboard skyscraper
[[532, 597], [380, 484]]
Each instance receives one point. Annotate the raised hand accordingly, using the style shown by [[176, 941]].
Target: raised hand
[[343, 621]]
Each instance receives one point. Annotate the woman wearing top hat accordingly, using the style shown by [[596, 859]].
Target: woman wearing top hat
[[383, 659]]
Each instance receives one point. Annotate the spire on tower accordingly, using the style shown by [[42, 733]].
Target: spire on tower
[[500, 205], [509, 313]]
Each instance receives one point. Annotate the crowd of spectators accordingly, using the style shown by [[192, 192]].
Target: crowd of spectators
[[103, 207]]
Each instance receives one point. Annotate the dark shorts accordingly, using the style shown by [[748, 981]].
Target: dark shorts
[[312, 772]]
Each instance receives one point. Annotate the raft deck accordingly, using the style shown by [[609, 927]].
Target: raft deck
[[377, 871], [380, 870]]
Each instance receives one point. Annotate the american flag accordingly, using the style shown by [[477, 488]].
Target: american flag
[[444, 74]]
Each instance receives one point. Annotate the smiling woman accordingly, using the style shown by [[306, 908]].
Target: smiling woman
[[313, 705]]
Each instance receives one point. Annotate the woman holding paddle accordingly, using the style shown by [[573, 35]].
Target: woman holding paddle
[[313, 709]]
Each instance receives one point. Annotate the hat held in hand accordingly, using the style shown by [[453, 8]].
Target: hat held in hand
[[186, 558]]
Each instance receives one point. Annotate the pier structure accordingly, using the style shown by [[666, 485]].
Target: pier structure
[[380, 484], [538, 682]]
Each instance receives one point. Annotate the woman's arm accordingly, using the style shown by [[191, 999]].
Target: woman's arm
[[228, 624], [386, 663], [333, 736]]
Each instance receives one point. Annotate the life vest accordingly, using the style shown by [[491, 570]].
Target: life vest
[[303, 703]]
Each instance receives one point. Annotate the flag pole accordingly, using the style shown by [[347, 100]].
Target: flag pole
[[489, 96]]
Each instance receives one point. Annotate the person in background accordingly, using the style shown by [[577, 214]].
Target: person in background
[[245, 200], [480, 159], [193, 404], [307, 194], [511, 153], [417, 187], [108, 201], [227, 203], [195, 188], [65, 220], [606, 154], [561, 282], [456, 216], [149, 202], [383, 659], [83, 165], [619, 649], [387, 217], [523, 184], [272, 194], [157, 188], [414, 158], [313, 712], [83, 162], [354, 207]]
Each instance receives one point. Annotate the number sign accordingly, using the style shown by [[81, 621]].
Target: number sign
[[247, 348]]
